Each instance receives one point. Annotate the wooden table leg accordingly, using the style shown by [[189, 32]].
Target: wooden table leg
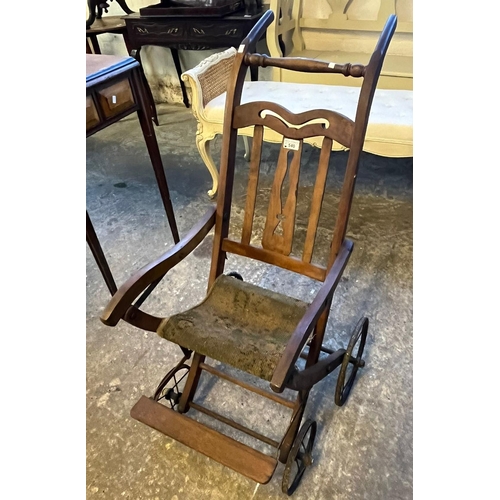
[[177, 62], [126, 39], [96, 249], [95, 44], [136, 54], [254, 73], [145, 120]]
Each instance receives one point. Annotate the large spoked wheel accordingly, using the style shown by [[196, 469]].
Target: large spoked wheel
[[169, 390], [299, 458], [351, 363]]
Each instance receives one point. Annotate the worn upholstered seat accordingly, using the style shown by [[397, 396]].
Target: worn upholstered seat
[[238, 323]]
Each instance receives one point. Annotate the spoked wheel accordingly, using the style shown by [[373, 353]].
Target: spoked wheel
[[170, 388], [299, 458], [351, 363]]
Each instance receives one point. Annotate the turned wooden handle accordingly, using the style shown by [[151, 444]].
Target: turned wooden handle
[[306, 65]]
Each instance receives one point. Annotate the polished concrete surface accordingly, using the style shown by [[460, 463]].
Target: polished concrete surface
[[363, 450]]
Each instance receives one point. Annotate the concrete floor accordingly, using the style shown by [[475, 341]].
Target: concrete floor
[[363, 450]]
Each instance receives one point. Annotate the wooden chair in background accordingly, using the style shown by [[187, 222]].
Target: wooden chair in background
[[98, 25]]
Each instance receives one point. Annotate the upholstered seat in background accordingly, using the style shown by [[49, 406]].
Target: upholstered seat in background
[[390, 127]]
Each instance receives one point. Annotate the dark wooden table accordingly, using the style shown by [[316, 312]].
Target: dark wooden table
[[189, 33], [107, 24], [117, 87]]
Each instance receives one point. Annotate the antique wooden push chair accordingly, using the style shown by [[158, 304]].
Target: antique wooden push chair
[[255, 330]]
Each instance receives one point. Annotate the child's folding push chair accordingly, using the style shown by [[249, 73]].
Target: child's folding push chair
[[253, 329]]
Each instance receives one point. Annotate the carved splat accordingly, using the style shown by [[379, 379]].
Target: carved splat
[[312, 123], [253, 180], [267, 112], [317, 199], [280, 222]]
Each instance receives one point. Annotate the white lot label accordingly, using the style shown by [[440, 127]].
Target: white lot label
[[291, 144]]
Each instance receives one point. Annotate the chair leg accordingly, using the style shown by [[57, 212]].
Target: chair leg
[[145, 121], [203, 145], [293, 428], [126, 40], [300, 405], [191, 383], [97, 252], [95, 44], [319, 333], [247, 155]]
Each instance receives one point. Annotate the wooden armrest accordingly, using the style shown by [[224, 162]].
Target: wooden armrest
[[134, 286], [306, 325]]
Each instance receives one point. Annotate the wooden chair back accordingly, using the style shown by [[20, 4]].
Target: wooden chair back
[[279, 227]]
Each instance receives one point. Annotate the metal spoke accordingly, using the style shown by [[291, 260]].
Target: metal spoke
[[169, 388], [358, 340], [300, 455]]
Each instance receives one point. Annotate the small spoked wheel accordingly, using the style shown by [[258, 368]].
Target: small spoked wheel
[[351, 362], [299, 458], [169, 390]]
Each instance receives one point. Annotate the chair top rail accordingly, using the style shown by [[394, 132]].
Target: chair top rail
[[313, 123], [305, 65]]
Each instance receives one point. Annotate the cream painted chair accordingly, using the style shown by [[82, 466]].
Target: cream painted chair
[[341, 31], [390, 128]]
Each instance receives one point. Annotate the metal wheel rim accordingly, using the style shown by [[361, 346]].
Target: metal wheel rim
[[296, 455], [160, 392], [344, 388]]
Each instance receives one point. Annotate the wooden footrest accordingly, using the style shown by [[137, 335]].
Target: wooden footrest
[[225, 450]]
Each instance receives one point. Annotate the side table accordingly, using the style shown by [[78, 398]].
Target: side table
[[107, 24], [190, 33], [116, 87]]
